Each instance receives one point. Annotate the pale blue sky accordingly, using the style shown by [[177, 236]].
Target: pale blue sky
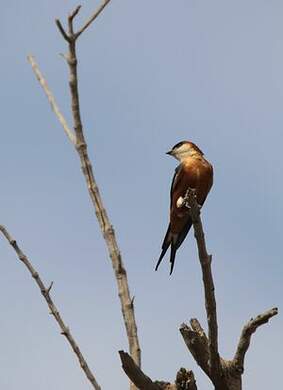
[[151, 73]]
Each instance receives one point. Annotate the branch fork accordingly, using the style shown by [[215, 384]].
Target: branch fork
[[224, 374]]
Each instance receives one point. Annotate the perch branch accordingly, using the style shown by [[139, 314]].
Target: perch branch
[[210, 302], [246, 335], [53, 309], [107, 229], [225, 374]]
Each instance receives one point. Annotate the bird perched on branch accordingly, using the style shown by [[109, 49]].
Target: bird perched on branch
[[195, 172]]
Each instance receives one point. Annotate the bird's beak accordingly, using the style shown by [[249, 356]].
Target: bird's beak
[[171, 153]]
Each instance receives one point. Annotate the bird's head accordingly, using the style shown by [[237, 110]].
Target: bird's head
[[185, 149]]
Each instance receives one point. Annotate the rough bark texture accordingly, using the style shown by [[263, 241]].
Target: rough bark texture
[[45, 291], [185, 380], [197, 342]]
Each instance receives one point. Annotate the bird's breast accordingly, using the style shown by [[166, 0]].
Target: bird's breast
[[198, 174], [194, 173]]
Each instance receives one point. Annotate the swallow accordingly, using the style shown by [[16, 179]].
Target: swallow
[[194, 171]]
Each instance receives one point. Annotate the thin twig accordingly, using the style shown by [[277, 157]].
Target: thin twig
[[62, 30], [210, 302], [92, 18], [75, 12], [50, 287], [70, 23], [51, 99], [53, 309], [246, 335]]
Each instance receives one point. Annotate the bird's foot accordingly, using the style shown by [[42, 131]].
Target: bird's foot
[[186, 204], [189, 193]]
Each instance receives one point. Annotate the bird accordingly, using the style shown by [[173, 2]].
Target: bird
[[194, 171]]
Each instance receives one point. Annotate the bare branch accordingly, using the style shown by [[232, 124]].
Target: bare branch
[[135, 374], [62, 30], [103, 219], [51, 99], [185, 380], [75, 12], [246, 335], [108, 232], [53, 309], [225, 374], [70, 22], [197, 343], [210, 302], [93, 17]]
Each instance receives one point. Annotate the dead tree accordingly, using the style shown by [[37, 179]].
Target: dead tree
[[224, 374]]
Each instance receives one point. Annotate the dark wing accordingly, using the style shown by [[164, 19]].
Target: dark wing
[[172, 239], [174, 181]]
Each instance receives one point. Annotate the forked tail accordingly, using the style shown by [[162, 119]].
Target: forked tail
[[174, 241]]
